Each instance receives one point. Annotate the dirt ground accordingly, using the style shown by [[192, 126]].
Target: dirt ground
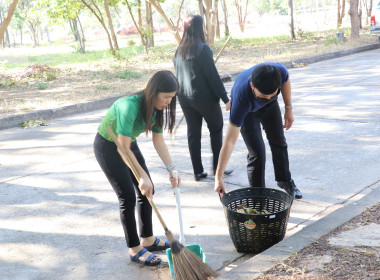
[[322, 260]]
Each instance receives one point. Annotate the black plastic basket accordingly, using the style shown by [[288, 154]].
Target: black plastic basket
[[254, 233]]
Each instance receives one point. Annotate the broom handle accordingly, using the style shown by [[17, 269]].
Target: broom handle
[[128, 161]]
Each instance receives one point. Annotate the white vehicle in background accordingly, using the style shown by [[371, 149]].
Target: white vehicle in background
[[375, 20]]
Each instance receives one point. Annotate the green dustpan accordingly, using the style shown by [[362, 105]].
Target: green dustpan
[[195, 248]]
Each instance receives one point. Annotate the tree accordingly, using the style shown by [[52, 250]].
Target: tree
[[225, 12], [7, 20], [149, 24], [94, 8], [138, 24], [368, 8], [341, 10], [145, 31], [353, 12], [17, 23], [61, 11], [32, 14], [174, 28], [291, 16], [110, 24], [242, 12], [209, 12]]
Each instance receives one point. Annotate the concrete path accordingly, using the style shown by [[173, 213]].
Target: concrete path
[[59, 216]]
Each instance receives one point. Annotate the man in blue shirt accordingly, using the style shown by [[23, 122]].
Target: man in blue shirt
[[254, 103]]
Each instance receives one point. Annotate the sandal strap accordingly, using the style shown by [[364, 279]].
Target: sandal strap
[[152, 256], [156, 242], [142, 252]]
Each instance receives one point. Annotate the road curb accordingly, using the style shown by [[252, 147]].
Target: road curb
[[259, 264], [49, 114]]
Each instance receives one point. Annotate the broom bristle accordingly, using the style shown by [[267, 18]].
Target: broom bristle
[[188, 266]]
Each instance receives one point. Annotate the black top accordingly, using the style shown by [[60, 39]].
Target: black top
[[198, 78]]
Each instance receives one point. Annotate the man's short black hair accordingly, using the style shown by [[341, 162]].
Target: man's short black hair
[[266, 78]]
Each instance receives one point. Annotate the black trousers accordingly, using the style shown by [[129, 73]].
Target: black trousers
[[194, 113], [271, 120], [125, 186]]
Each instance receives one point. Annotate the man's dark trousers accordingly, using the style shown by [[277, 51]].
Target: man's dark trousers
[[271, 119]]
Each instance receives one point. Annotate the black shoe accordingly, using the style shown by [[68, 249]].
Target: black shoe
[[200, 176], [228, 171], [290, 188]]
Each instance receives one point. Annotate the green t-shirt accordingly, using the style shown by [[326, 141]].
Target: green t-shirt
[[125, 118]]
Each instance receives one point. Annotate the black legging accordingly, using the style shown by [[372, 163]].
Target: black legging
[[194, 113], [125, 186], [271, 119]]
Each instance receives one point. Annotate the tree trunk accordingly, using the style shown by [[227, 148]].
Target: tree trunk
[[214, 20], [338, 19], [48, 35], [201, 8], [207, 8], [7, 20], [217, 20], [168, 22], [342, 12], [74, 28], [113, 35], [83, 39], [149, 23], [360, 12], [353, 12], [33, 32], [138, 27], [139, 16], [242, 13], [225, 12], [7, 42], [291, 23], [101, 20]]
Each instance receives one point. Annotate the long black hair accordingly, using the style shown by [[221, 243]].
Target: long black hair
[[162, 81], [193, 34]]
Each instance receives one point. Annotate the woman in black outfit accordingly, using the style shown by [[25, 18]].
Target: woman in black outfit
[[200, 92]]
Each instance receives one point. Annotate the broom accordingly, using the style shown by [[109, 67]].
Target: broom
[[187, 266]]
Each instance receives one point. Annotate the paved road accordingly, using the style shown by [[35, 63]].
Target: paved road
[[59, 217]]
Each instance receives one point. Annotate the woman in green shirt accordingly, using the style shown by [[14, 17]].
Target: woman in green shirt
[[150, 110]]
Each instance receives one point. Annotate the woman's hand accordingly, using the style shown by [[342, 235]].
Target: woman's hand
[[228, 105], [174, 178], [146, 187]]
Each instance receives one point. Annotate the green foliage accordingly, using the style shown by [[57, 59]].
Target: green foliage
[[6, 82], [42, 85], [58, 11], [50, 75], [34, 123], [263, 6], [131, 42], [127, 74]]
